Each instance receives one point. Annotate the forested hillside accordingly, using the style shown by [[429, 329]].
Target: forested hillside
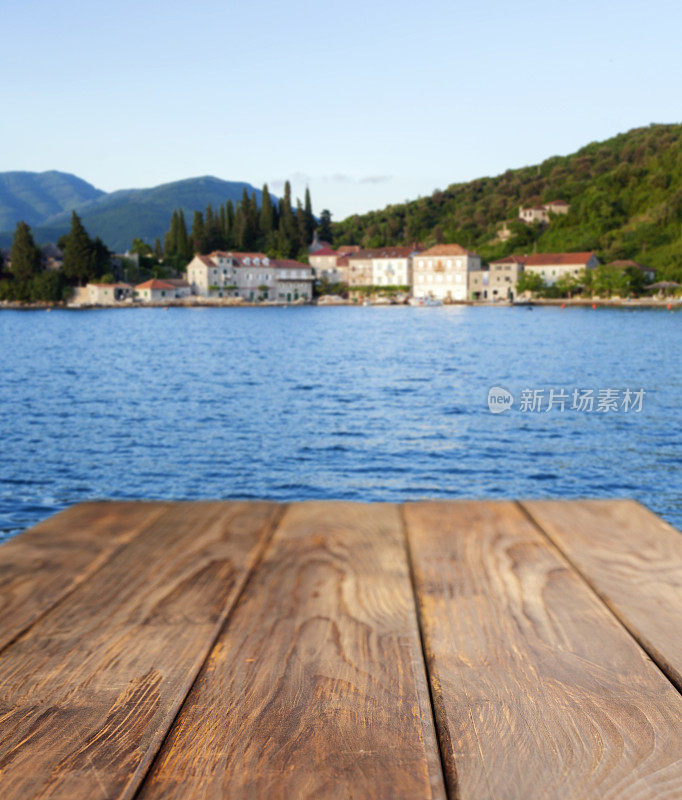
[[34, 197], [119, 217], [625, 195]]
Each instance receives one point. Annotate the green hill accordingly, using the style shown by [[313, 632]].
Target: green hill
[[117, 218], [625, 195], [36, 196]]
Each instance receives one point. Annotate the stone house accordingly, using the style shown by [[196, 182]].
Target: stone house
[[108, 294], [251, 276], [442, 272], [155, 291], [293, 280], [541, 213], [392, 266], [324, 263], [504, 273], [553, 266], [361, 268]]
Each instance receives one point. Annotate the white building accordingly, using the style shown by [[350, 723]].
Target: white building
[[541, 213], [155, 291], [294, 280], [552, 266], [251, 276], [392, 266], [442, 272], [324, 263], [108, 294]]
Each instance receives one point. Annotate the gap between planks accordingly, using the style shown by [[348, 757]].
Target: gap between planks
[[618, 607]]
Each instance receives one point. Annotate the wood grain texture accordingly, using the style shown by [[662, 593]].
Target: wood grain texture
[[316, 688], [42, 565], [539, 692], [633, 561], [89, 691]]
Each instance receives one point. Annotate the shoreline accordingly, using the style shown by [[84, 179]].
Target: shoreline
[[638, 302]]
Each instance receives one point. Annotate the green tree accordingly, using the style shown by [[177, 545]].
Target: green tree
[[530, 282], [310, 223], [185, 249], [266, 220], [198, 233], [288, 244], [79, 254], [301, 228], [324, 230], [26, 257], [101, 258], [141, 248], [229, 232]]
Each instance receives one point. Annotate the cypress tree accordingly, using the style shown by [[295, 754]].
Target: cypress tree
[[170, 240], [229, 225], [198, 233], [246, 223], [301, 228], [101, 258], [79, 255], [309, 218], [184, 243], [288, 232], [325, 229], [26, 257], [158, 250], [214, 234], [223, 223]]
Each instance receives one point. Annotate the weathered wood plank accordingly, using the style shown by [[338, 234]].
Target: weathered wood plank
[[633, 561], [316, 688], [539, 691], [89, 691], [42, 565]]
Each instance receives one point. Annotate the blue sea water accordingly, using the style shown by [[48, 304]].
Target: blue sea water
[[378, 403]]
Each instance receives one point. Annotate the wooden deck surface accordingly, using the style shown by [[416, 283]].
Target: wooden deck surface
[[463, 650]]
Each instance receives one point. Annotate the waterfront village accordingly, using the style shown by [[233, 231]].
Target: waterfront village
[[444, 273], [350, 274]]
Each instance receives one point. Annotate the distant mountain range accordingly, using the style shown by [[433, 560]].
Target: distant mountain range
[[45, 201]]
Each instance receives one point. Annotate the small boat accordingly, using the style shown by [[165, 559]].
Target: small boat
[[425, 301]]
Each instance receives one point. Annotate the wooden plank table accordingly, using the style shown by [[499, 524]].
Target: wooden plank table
[[466, 650]]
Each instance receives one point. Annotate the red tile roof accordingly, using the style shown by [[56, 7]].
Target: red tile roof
[[557, 259], [155, 283], [287, 263], [447, 250], [345, 249], [363, 254], [396, 252], [325, 251]]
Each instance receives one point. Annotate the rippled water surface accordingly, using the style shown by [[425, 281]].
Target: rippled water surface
[[357, 403]]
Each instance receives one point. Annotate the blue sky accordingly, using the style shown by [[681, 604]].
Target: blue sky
[[367, 103]]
